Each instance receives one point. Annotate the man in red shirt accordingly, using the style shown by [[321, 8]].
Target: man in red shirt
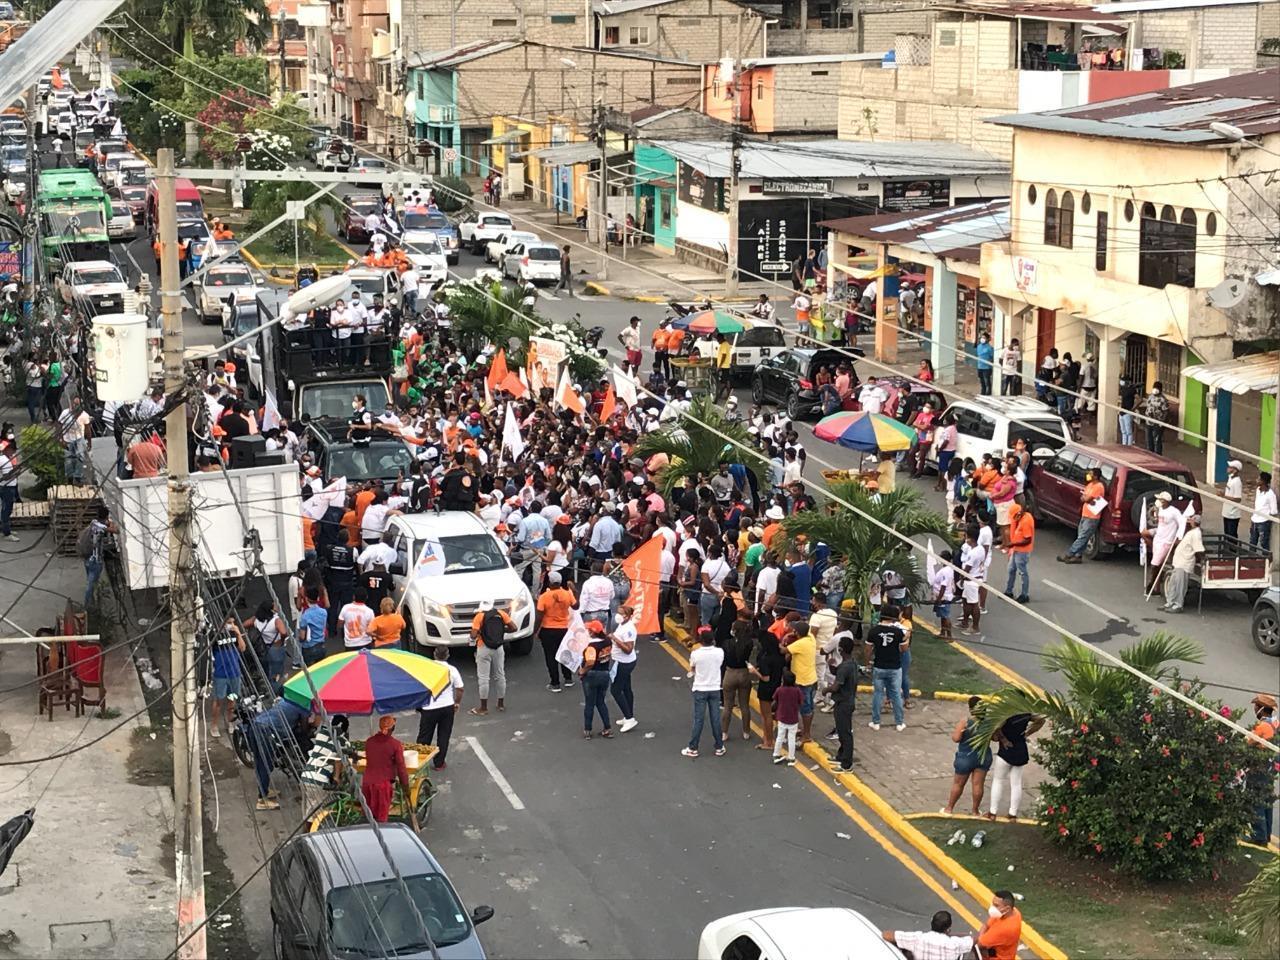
[[384, 765]]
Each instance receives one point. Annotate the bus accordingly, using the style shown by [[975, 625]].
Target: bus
[[74, 213]]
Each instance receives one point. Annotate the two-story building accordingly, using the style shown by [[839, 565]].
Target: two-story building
[[698, 30], [287, 72], [341, 73], [1161, 258], [781, 95], [979, 61]]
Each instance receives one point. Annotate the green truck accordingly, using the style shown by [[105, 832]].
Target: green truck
[[74, 212]]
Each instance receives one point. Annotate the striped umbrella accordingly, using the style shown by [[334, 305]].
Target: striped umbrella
[[370, 681], [708, 322], [869, 432]]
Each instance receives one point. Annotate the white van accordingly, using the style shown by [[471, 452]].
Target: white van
[[992, 424]]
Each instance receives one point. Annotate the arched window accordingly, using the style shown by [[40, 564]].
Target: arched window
[[1166, 247], [1059, 219]]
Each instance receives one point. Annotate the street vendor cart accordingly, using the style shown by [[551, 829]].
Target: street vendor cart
[[1231, 564]]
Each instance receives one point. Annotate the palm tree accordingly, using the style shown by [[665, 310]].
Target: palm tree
[[1094, 687], [865, 547], [1254, 911], [491, 312], [697, 443], [270, 200]]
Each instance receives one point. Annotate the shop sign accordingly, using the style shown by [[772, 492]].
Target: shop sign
[[771, 246], [915, 194], [802, 187]]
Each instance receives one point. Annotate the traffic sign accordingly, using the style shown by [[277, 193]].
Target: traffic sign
[[450, 155]]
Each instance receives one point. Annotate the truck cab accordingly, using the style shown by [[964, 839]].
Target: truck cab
[[446, 563]]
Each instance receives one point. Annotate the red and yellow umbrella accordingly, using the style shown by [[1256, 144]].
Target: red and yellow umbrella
[[370, 681]]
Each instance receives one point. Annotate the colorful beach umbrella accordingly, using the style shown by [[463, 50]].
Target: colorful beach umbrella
[[710, 321], [869, 432], [370, 681]]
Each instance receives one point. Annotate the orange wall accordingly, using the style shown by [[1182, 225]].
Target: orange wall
[[755, 88]]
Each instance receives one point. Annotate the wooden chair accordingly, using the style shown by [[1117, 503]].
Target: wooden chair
[[58, 687], [89, 668]]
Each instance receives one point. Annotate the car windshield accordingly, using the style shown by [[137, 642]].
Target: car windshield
[[136, 176], [383, 459], [134, 194], [1038, 433], [230, 278], [470, 553], [376, 920], [426, 221], [190, 208], [74, 218], [192, 231], [1139, 485], [426, 244], [543, 253], [334, 399], [369, 163], [367, 286], [246, 319], [364, 207], [96, 275], [496, 222]]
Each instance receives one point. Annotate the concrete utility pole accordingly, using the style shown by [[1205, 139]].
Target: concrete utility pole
[[603, 219], [280, 35], [735, 164], [184, 603]]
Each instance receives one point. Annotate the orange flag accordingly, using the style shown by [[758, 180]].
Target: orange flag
[[55, 79], [566, 396], [607, 405], [513, 385], [644, 569], [497, 370]]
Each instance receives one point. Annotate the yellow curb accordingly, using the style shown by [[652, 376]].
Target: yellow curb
[[253, 262], [929, 850], [646, 299], [600, 290], [968, 816], [952, 695], [982, 660]]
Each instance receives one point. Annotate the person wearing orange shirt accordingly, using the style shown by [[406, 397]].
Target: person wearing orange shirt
[[351, 524], [309, 539], [775, 516], [363, 499], [1092, 503], [387, 627], [661, 340], [554, 605], [1022, 540], [1001, 931], [1268, 728], [675, 341]]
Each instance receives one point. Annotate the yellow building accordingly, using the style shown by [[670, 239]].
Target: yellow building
[[1137, 230]]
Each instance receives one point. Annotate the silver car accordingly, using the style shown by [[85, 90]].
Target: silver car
[[220, 283]]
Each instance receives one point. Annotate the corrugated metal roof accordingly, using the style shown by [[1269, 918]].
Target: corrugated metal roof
[[836, 159], [1259, 373], [1065, 13], [1143, 6], [811, 58], [567, 154], [460, 54], [611, 7], [1250, 101], [956, 232]]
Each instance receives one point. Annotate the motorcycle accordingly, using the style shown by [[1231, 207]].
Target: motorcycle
[[290, 757]]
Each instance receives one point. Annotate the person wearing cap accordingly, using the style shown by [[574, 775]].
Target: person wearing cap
[[488, 627], [597, 663], [1092, 504], [1267, 728], [630, 340], [1232, 492], [660, 341], [384, 766], [437, 716], [551, 622], [1163, 537], [1188, 552], [1264, 513]]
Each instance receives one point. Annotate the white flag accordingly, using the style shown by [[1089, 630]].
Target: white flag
[[511, 439], [624, 386], [270, 412], [1142, 528]]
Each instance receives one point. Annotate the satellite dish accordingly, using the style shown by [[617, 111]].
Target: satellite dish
[[319, 294], [1227, 294]]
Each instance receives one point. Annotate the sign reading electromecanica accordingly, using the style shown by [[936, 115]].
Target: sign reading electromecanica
[[803, 187]]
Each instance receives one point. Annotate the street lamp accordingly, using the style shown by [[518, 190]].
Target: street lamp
[[1229, 131]]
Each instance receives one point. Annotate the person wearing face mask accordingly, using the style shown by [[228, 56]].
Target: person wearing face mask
[[1156, 409], [360, 431], [1092, 503], [384, 765], [1001, 931]]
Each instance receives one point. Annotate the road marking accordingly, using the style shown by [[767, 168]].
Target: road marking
[[547, 296], [1088, 603], [498, 778], [862, 822]]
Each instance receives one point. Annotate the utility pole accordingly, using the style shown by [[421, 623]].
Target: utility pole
[[280, 35], [735, 164], [184, 591], [602, 220]]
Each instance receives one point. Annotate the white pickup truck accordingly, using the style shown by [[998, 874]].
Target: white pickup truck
[[442, 586], [477, 228]]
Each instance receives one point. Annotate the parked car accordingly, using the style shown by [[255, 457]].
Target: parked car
[[13, 128], [751, 347], [477, 228], [418, 221], [336, 456], [121, 226], [13, 160], [333, 895], [1266, 622], [358, 206], [795, 933], [470, 566], [537, 262], [96, 284], [132, 197], [988, 424], [226, 280], [1055, 483], [497, 247], [787, 379], [429, 259], [107, 166]]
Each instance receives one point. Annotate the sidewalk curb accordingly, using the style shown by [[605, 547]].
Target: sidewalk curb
[[257, 265], [999, 670], [965, 816], [928, 849]]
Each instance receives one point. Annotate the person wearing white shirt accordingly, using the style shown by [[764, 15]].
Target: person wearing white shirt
[[937, 943], [596, 596], [986, 540], [624, 655], [872, 396], [372, 223], [443, 319], [766, 580], [1233, 494], [973, 560], [377, 553], [355, 618], [409, 291], [436, 720], [704, 669], [1264, 512]]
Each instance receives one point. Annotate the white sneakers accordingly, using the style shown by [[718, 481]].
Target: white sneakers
[[626, 725], [874, 726], [900, 727]]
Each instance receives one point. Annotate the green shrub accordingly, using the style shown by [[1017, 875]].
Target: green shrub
[[41, 453], [453, 194]]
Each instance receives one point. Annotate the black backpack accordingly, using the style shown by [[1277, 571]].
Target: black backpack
[[493, 630]]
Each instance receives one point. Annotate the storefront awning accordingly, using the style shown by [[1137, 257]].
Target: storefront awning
[[509, 136], [1259, 373], [569, 154]]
